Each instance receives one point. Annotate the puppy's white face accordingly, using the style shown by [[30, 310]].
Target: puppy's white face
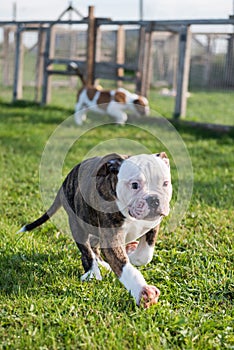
[[144, 187]]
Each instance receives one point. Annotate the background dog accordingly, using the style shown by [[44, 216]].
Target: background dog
[[115, 103], [111, 202]]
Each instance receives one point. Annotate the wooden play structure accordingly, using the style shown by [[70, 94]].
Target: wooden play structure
[[92, 62]]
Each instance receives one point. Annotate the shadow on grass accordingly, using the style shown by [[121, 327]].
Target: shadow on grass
[[17, 271], [33, 113], [199, 130], [51, 114], [29, 273], [48, 274]]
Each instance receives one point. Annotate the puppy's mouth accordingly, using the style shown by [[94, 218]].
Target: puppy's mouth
[[159, 218], [141, 210]]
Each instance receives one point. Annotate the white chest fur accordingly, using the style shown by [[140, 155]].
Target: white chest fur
[[134, 229]]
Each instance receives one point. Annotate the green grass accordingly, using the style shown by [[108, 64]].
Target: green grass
[[206, 107], [43, 303]]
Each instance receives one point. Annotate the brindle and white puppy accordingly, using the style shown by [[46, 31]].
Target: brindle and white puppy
[[111, 202]]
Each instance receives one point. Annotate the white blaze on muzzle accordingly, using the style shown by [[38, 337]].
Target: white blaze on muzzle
[[139, 209]]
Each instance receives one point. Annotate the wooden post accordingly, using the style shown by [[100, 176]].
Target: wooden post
[[6, 80], [51, 55], [149, 70], [183, 71], [49, 51], [18, 73], [229, 65], [91, 45], [175, 60], [120, 53], [147, 63], [141, 46], [40, 62]]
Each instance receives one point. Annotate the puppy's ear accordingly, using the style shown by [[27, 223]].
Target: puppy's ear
[[109, 164], [106, 175], [164, 157]]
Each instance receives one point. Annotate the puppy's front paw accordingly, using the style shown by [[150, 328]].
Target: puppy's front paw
[[149, 296], [131, 247]]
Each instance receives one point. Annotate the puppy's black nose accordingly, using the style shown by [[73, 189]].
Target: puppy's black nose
[[153, 201]]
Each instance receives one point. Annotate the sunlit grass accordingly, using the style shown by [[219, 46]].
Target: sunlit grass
[[44, 305]]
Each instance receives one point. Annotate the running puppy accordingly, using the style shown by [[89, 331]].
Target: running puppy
[[115, 103], [111, 202]]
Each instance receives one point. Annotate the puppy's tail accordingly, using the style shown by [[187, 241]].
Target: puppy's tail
[[46, 216], [74, 67]]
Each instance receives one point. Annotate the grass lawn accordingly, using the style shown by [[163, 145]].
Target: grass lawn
[[43, 303], [203, 106]]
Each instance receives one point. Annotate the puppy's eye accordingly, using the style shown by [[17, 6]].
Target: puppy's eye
[[135, 185], [166, 183]]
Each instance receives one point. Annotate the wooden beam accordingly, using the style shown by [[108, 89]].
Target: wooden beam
[[108, 21], [183, 72], [91, 44]]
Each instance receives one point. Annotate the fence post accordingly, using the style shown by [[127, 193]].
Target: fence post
[[91, 45], [18, 73], [139, 73], [49, 52], [40, 62], [229, 65], [183, 71], [6, 80], [145, 60], [120, 53]]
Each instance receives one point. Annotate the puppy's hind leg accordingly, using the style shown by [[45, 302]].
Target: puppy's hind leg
[[80, 114], [88, 257], [94, 241], [89, 262]]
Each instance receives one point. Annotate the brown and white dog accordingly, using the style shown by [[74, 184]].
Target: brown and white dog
[[115, 103], [111, 202]]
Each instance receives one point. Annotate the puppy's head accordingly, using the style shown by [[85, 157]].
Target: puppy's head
[[144, 187], [141, 105]]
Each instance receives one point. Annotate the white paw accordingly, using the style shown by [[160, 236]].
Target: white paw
[[149, 296], [78, 120], [94, 272]]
